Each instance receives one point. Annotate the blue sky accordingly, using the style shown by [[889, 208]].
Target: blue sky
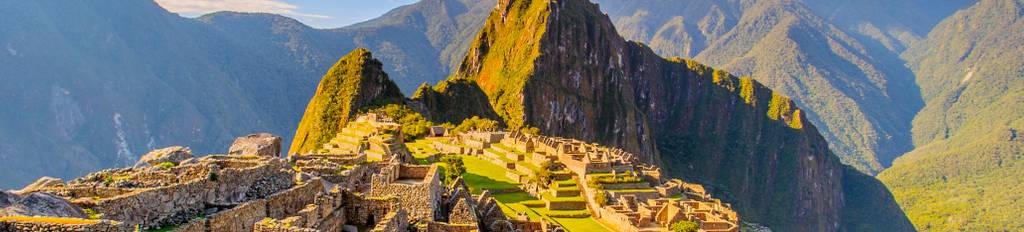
[[316, 13]]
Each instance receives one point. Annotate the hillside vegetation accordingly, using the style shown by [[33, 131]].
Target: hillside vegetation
[[753, 146], [965, 174], [357, 82], [836, 59]]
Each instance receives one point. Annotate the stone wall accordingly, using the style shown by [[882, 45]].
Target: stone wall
[[413, 171], [98, 226], [363, 211], [462, 213], [293, 200], [394, 221], [271, 225], [640, 196], [236, 181], [196, 225], [489, 210], [617, 221], [638, 185], [241, 218], [421, 199], [566, 205], [528, 225], [432, 226]]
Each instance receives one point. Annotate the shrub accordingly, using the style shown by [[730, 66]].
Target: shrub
[[544, 173], [455, 167], [618, 179], [477, 123], [91, 213], [685, 226], [166, 165], [600, 197], [414, 125], [530, 130]]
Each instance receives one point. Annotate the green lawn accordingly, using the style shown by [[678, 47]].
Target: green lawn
[[582, 224], [420, 150], [513, 197], [484, 174]]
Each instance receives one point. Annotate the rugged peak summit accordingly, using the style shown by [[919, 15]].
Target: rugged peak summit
[[356, 81], [560, 66]]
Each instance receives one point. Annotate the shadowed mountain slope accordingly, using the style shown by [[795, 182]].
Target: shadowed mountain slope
[[539, 68], [833, 60]]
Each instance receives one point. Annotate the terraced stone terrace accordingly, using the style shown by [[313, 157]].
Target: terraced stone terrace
[[483, 175], [558, 180], [512, 182]]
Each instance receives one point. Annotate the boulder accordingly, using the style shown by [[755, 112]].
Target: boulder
[[262, 144], [37, 204], [42, 182], [174, 154]]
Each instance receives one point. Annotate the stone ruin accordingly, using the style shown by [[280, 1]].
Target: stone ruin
[[262, 144], [252, 189], [340, 189], [631, 206]]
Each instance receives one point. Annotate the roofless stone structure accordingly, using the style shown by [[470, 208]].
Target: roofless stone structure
[[366, 180]]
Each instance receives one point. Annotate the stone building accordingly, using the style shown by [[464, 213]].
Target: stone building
[[362, 181]]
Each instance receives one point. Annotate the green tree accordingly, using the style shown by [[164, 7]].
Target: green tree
[[530, 130], [455, 167], [685, 226], [477, 123], [414, 125], [600, 197]]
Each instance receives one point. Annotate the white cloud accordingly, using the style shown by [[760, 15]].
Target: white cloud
[[262, 6]]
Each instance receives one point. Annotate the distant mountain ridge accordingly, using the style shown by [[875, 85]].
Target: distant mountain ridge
[[966, 172], [94, 84], [102, 82], [538, 68], [842, 67]]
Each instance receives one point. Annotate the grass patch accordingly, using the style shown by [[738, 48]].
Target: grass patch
[[514, 197], [551, 198], [481, 174], [644, 190], [588, 224], [421, 150]]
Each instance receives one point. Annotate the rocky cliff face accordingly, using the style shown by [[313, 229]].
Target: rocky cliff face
[[355, 82], [837, 59], [560, 66]]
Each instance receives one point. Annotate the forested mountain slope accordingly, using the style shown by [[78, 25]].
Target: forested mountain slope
[[538, 68], [965, 174], [834, 61]]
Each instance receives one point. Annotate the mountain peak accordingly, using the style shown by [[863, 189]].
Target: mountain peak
[[561, 66], [355, 82]]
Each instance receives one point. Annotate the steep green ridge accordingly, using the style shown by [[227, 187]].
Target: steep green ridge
[[356, 82], [501, 57], [835, 61], [452, 101], [540, 68], [965, 174]]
